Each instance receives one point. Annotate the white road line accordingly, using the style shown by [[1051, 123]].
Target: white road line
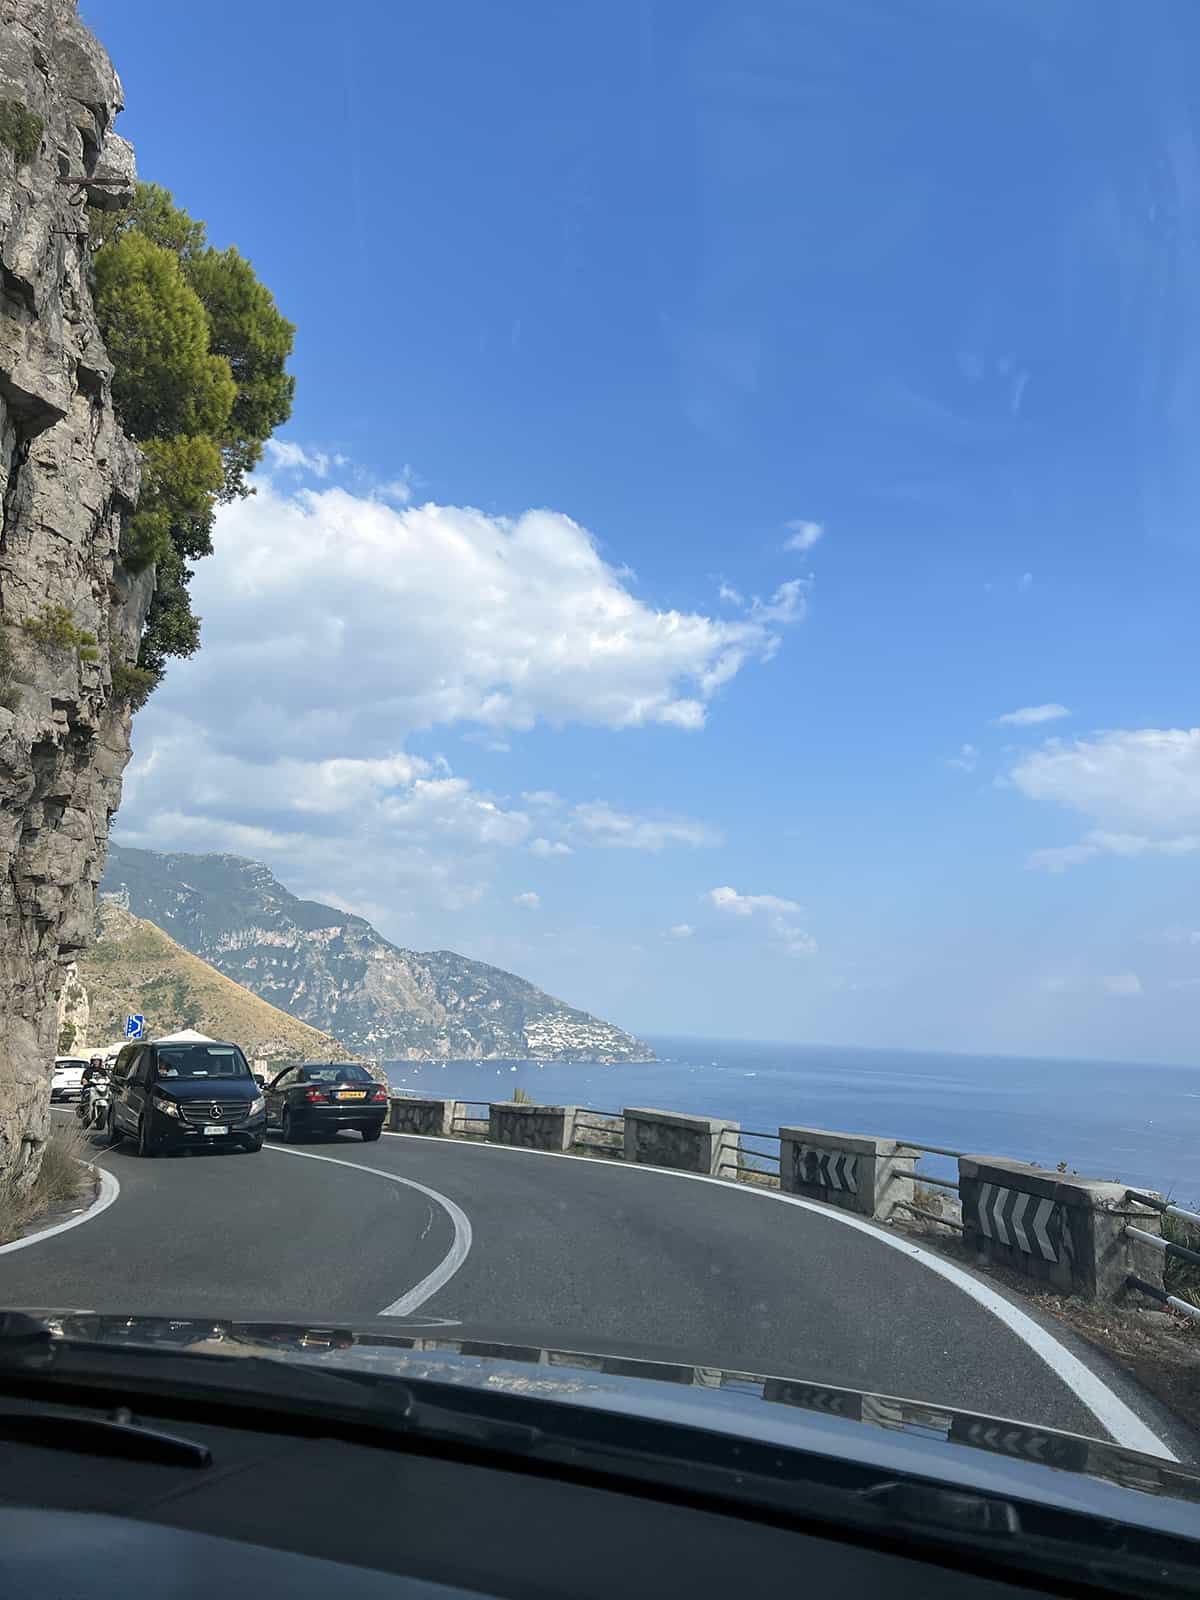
[[1119, 1420], [450, 1262], [109, 1190]]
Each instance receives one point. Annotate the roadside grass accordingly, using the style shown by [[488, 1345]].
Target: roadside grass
[[61, 1180]]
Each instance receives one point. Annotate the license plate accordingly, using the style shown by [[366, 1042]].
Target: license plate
[[216, 1128], [352, 1094]]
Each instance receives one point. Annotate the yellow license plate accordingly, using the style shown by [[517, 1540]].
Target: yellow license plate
[[352, 1094]]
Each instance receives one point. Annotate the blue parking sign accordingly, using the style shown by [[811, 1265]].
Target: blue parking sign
[[135, 1027]]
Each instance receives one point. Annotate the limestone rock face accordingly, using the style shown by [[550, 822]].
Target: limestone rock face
[[68, 475]]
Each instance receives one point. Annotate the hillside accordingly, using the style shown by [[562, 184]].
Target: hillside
[[135, 966], [335, 972]]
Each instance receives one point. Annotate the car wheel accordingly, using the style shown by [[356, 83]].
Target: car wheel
[[253, 1144], [144, 1147], [371, 1134], [290, 1136]]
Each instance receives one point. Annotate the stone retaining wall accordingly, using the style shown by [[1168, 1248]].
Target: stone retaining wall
[[688, 1144], [1068, 1233], [532, 1127]]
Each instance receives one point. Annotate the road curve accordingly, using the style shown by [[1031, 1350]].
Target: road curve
[[573, 1253]]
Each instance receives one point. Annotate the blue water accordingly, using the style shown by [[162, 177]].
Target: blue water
[[1140, 1124]]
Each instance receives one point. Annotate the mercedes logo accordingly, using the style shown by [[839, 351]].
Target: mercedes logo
[[216, 1111]]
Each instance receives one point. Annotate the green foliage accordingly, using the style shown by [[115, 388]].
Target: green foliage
[[172, 628], [20, 130], [181, 479], [55, 628], [246, 328], [522, 1097], [135, 684], [154, 214], [199, 351], [166, 380], [66, 1038]]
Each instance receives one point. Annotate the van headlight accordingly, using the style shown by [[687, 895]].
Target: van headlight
[[256, 1105], [167, 1107]]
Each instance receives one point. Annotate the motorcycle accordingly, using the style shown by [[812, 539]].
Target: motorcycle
[[92, 1109]]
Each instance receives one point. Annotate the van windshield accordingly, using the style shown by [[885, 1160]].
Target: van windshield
[[202, 1061]]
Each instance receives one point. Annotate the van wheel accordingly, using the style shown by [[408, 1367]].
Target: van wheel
[[144, 1147]]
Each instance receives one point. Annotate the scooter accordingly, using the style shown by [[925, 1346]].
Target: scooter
[[92, 1109]]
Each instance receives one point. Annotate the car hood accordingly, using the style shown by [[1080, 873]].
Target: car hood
[[208, 1088], [996, 1455]]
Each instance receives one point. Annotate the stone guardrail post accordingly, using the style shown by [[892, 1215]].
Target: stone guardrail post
[[1068, 1233], [850, 1170], [532, 1127], [687, 1144], [431, 1117]]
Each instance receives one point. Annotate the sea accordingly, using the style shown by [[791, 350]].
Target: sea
[[1136, 1123]]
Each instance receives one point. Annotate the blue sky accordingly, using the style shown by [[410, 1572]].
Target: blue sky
[[711, 420]]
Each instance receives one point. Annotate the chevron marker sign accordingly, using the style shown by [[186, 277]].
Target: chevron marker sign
[[827, 1169], [1022, 1221]]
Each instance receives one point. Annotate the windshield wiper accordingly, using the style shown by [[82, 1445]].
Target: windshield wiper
[[115, 1435]]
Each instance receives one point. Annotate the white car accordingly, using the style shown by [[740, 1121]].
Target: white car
[[67, 1082]]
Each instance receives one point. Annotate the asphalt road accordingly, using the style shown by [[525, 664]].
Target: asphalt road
[[573, 1253]]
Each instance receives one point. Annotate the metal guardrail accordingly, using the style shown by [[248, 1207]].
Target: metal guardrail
[[1167, 1246], [1164, 1299], [461, 1120], [607, 1138], [1163, 1207], [930, 1150]]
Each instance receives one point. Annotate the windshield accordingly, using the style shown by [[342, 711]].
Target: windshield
[[184, 1061], [623, 640]]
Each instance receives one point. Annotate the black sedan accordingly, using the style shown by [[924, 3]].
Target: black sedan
[[323, 1097]]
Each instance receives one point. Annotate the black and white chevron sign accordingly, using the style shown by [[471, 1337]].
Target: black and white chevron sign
[[1023, 1221], [828, 1169]]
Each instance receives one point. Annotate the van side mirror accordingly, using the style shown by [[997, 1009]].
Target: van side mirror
[[259, 1079]]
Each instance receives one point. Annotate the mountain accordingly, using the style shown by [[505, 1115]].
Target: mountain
[[135, 966], [335, 972]]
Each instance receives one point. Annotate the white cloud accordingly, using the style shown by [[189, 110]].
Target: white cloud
[[361, 615], [1122, 985], [595, 822], [745, 905], [730, 595], [776, 911], [1028, 716], [545, 849], [1026, 581], [681, 930], [1140, 788], [285, 455], [802, 535], [789, 603], [529, 901], [965, 760]]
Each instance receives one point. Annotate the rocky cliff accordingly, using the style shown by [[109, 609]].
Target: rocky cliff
[[67, 477], [336, 972], [134, 966]]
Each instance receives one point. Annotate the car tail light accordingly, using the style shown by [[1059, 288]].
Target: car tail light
[[316, 1096], [379, 1094]]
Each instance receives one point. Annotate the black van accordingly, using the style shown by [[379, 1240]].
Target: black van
[[185, 1096]]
